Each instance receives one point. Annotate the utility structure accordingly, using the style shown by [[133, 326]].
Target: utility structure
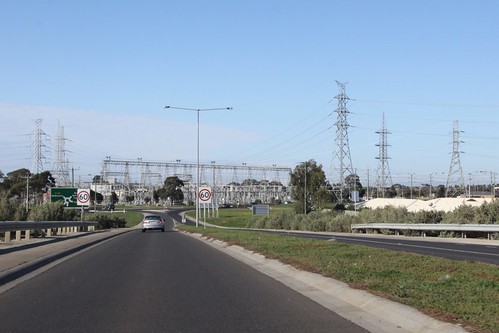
[[342, 160], [455, 169], [37, 146], [384, 177], [140, 178], [61, 165]]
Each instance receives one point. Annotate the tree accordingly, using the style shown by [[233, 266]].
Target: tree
[[20, 182], [172, 189], [114, 198], [248, 182], [16, 182], [309, 187], [41, 182], [353, 183]]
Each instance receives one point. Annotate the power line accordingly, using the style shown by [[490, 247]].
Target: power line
[[482, 106]]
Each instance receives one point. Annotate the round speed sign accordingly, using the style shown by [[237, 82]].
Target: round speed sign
[[83, 197], [205, 195]]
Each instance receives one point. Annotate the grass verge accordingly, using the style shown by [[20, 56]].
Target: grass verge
[[236, 217], [454, 291]]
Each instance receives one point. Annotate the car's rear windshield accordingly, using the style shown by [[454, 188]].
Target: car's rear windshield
[[152, 217]]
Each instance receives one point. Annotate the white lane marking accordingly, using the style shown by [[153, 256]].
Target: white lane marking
[[420, 246]]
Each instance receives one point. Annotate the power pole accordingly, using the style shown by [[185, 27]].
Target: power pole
[[455, 164], [384, 177], [342, 156], [37, 145], [61, 165]]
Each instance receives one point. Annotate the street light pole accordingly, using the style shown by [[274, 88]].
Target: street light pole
[[197, 150], [305, 191]]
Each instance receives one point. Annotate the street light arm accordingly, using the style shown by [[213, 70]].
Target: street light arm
[[192, 109]]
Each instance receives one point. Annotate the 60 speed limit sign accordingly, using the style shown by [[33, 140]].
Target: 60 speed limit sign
[[83, 197], [205, 195]]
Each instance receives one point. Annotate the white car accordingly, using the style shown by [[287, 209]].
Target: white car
[[153, 222]]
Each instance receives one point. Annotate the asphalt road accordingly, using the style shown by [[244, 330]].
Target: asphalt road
[[160, 282], [451, 250]]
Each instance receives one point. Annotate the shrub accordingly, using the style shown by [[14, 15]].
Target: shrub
[[8, 209], [108, 221], [52, 211], [461, 215], [21, 214], [388, 214], [342, 223], [489, 213], [429, 217]]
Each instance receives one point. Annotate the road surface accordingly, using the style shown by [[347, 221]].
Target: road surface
[[160, 282]]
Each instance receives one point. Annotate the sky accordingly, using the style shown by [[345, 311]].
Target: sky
[[104, 70]]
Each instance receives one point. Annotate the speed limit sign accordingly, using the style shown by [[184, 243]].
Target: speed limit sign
[[204, 195], [83, 197]]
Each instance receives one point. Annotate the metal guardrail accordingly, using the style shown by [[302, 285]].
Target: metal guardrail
[[463, 228], [32, 225], [48, 227]]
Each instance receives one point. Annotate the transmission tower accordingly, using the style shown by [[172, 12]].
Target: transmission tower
[[384, 177], [61, 165], [342, 160], [37, 145], [455, 169]]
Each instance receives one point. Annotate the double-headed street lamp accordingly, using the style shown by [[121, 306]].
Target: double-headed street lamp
[[197, 150]]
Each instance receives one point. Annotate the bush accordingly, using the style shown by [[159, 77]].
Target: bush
[[8, 209], [108, 221], [338, 221], [462, 214], [388, 214], [52, 211], [21, 214], [431, 217], [342, 223]]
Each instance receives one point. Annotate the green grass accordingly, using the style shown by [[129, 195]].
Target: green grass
[[455, 291], [131, 218], [236, 217]]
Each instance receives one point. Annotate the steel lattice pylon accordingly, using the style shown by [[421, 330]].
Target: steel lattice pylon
[[384, 177], [61, 165], [37, 145], [455, 164], [342, 160]]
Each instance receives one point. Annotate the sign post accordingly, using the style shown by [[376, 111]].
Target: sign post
[[204, 197]]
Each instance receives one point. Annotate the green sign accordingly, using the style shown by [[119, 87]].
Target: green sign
[[66, 194]]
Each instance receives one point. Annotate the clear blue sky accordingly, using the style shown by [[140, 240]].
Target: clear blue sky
[[104, 70]]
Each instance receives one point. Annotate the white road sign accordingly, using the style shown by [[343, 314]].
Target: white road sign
[[205, 195], [83, 197]]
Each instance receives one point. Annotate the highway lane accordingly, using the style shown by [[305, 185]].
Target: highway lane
[[451, 250], [160, 282]]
